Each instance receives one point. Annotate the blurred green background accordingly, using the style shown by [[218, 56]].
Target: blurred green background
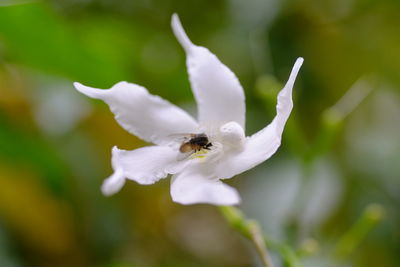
[[329, 197]]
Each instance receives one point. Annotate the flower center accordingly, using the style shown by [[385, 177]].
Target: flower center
[[229, 137], [211, 144]]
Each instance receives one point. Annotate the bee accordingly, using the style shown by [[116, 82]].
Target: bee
[[192, 143], [196, 143]]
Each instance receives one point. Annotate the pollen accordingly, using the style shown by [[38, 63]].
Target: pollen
[[201, 154]]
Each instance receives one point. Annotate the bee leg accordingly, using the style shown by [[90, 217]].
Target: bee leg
[[208, 146]]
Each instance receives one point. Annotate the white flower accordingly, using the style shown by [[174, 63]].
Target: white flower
[[221, 116]]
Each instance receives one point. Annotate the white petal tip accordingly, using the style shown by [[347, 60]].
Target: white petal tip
[[90, 92], [106, 191], [80, 87], [115, 150], [180, 33], [299, 62], [175, 18], [76, 84], [113, 184], [175, 22], [295, 71]]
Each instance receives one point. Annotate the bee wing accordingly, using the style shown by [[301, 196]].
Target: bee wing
[[181, 136], [182, 156], [178, 138]]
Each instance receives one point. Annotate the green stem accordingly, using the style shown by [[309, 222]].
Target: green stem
[[258, 240], [252, 231], [248, 228]]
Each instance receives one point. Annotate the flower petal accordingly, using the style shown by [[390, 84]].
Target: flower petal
[[193, 186], [114, 183], [217, 90], [147, 116], [144, 165], [263, 144], [149, 164]]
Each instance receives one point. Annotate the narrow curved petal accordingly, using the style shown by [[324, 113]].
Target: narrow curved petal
[[217, 90], [263, 144], [147, 116], [192, 186]]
